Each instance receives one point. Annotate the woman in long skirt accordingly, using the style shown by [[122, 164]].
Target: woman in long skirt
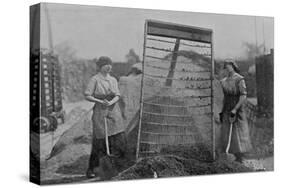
[[235, 93], [103, 90]]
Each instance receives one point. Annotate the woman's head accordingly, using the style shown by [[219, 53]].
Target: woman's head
[[136, 69], [230, 65], [104, 64]]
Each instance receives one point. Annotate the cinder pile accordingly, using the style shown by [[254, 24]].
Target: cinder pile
[[183, 161]]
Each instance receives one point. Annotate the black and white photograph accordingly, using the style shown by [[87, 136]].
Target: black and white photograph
[[128, 94]]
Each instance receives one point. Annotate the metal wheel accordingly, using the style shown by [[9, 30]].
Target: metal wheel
[[41, 124]]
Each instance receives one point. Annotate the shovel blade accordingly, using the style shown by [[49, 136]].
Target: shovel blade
[[107, 168]]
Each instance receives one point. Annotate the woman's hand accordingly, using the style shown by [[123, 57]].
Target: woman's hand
[[107, 103], [101, 102], [234, 111]]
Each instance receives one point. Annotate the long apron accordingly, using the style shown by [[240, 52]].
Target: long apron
[[113, 116], [240, 140], [116, 135]]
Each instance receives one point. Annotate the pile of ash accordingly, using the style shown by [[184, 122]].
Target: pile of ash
[[171, 162], [180, 161]]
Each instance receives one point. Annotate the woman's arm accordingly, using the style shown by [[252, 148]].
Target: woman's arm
[[93, 99], [113, 101], [90, 90], [243, 95], [221, 113], [115, 91], [241, 101]]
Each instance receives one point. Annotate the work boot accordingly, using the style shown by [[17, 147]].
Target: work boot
[[90, 174]]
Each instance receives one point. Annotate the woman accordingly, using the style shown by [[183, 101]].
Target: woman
[[103, 90], [130, 88], [235, 93]]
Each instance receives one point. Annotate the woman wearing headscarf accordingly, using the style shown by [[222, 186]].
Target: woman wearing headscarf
[[235, 94], [130, 88], [103, 90]]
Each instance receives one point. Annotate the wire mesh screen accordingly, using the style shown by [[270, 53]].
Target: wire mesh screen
[[177, 97]]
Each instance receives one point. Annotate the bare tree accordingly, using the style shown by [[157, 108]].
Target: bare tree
[[252, 50]]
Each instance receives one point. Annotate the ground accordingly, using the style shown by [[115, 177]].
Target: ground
[[68, 159]]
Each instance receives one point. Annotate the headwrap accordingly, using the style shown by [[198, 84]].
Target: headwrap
[[137, 66], [233, 63], [103, 60]]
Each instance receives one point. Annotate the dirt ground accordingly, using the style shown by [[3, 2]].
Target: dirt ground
[[172, 162], [70, 154], [175, 161]]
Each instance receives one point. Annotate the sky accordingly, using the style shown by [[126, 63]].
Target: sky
[[94, 31]]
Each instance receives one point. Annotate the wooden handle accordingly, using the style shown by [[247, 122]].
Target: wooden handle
[[229, 138], [106, 137]]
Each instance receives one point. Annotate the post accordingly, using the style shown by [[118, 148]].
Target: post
[[142, 85], [173, 63], [212, 98]]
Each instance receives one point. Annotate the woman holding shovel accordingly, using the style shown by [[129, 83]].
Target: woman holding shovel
[[235, 131], [108, 127]]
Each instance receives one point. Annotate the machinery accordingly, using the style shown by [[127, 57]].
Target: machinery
[[47, 81]]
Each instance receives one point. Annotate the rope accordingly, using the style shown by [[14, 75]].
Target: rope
[[180, 97], [179, 79], [197, 46], [176, 70], [166, 144], [176, 106], [170, 50], [166, 134], [183, 88], [170, 115], [184, 44], [171, 125]]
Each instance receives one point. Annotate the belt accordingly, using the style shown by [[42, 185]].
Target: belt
[[108, 97]]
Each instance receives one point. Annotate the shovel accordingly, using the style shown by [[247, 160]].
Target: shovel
[[107, 167], [229, 156]]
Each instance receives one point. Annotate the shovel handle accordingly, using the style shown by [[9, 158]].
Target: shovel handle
[[232, 119], [229, 138], [106, 137]]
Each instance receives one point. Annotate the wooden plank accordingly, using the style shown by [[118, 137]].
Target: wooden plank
[[164, 29], [142, 93]]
